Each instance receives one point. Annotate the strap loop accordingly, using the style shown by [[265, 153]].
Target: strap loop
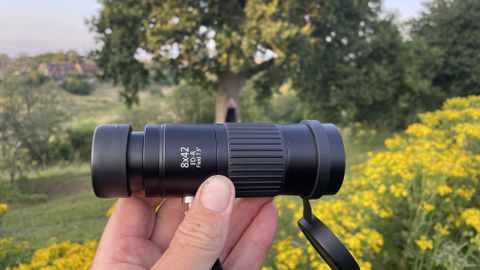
[[324, 241]]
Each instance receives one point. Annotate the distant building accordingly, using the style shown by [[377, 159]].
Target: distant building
[[88, 70], [7, 65], [58, 71]]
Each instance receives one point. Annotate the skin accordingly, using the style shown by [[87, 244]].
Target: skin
[[137, 237]]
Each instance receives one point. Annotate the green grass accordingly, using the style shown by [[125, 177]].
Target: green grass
[[58, 202], [63, 207], [77, 217]]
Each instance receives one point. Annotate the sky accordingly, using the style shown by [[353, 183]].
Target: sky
[[37, 26]]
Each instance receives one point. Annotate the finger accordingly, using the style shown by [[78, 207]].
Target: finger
[[169, 217], [125, 237], [244, 212], [252, 249], [132, 217], [152, 201], [201, 236]]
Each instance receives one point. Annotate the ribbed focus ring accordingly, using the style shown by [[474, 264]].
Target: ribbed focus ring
[[256, 158]]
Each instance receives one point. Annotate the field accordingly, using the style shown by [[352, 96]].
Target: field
[[57, 203], [410, 200]]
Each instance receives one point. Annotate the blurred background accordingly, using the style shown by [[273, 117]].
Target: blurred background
[[399, 78]]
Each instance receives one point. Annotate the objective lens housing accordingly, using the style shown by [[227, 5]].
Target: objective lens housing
[[262, 159]]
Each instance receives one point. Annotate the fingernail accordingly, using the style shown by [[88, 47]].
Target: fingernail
[[215, 194]]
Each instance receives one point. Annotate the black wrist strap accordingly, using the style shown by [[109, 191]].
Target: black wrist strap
[[323, 240]]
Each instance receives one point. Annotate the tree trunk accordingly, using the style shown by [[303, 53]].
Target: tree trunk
[[227, 106]]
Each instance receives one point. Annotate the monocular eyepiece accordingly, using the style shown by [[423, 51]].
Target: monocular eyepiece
[[109, 160], [262, 159]]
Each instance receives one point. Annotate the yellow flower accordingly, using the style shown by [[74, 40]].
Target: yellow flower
[[393, 142], [471, 217], [465, 193], [398, 190], [110, 210], [444, 189], [3, 208], [437, 158], [288, 254], [65, 255], [441, 229], [382, 188], [419, 130], [427, 207], [424, 243]]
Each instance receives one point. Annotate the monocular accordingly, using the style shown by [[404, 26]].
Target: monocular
[[306, 159]]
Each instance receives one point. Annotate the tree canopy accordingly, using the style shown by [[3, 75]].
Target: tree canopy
[[345, 59], [451, 31]]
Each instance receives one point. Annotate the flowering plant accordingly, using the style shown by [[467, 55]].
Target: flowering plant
[[414, 205]]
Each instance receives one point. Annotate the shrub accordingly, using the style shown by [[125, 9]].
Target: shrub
[[77, 85], [74, 144], [414, 205], [80, 139]]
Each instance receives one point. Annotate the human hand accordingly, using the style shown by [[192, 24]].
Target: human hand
[[239, 232]]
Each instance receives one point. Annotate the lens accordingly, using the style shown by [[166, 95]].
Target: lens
[[262, 159]]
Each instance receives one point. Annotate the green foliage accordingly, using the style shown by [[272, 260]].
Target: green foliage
[[69, 56], [365, 66], [13, 252], [282, 107], [80, 139], [30, 118], [185, 103], [346, 62], [451, 30], [77, 85], [190, 103], [356, 68], [201, 42], [121, 29], [11, 192], [76, 143]]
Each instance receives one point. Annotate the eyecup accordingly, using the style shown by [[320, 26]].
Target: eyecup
[[331, 159], [337, 157], [109, 160]]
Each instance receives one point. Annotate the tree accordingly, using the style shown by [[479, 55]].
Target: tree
[[30, 118], [451, 29], [78, 85], [217, 44], [361, 66]]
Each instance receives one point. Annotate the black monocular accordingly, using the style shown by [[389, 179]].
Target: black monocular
[[262, 160]]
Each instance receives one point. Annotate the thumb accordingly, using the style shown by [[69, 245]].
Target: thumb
[[199, 239]]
